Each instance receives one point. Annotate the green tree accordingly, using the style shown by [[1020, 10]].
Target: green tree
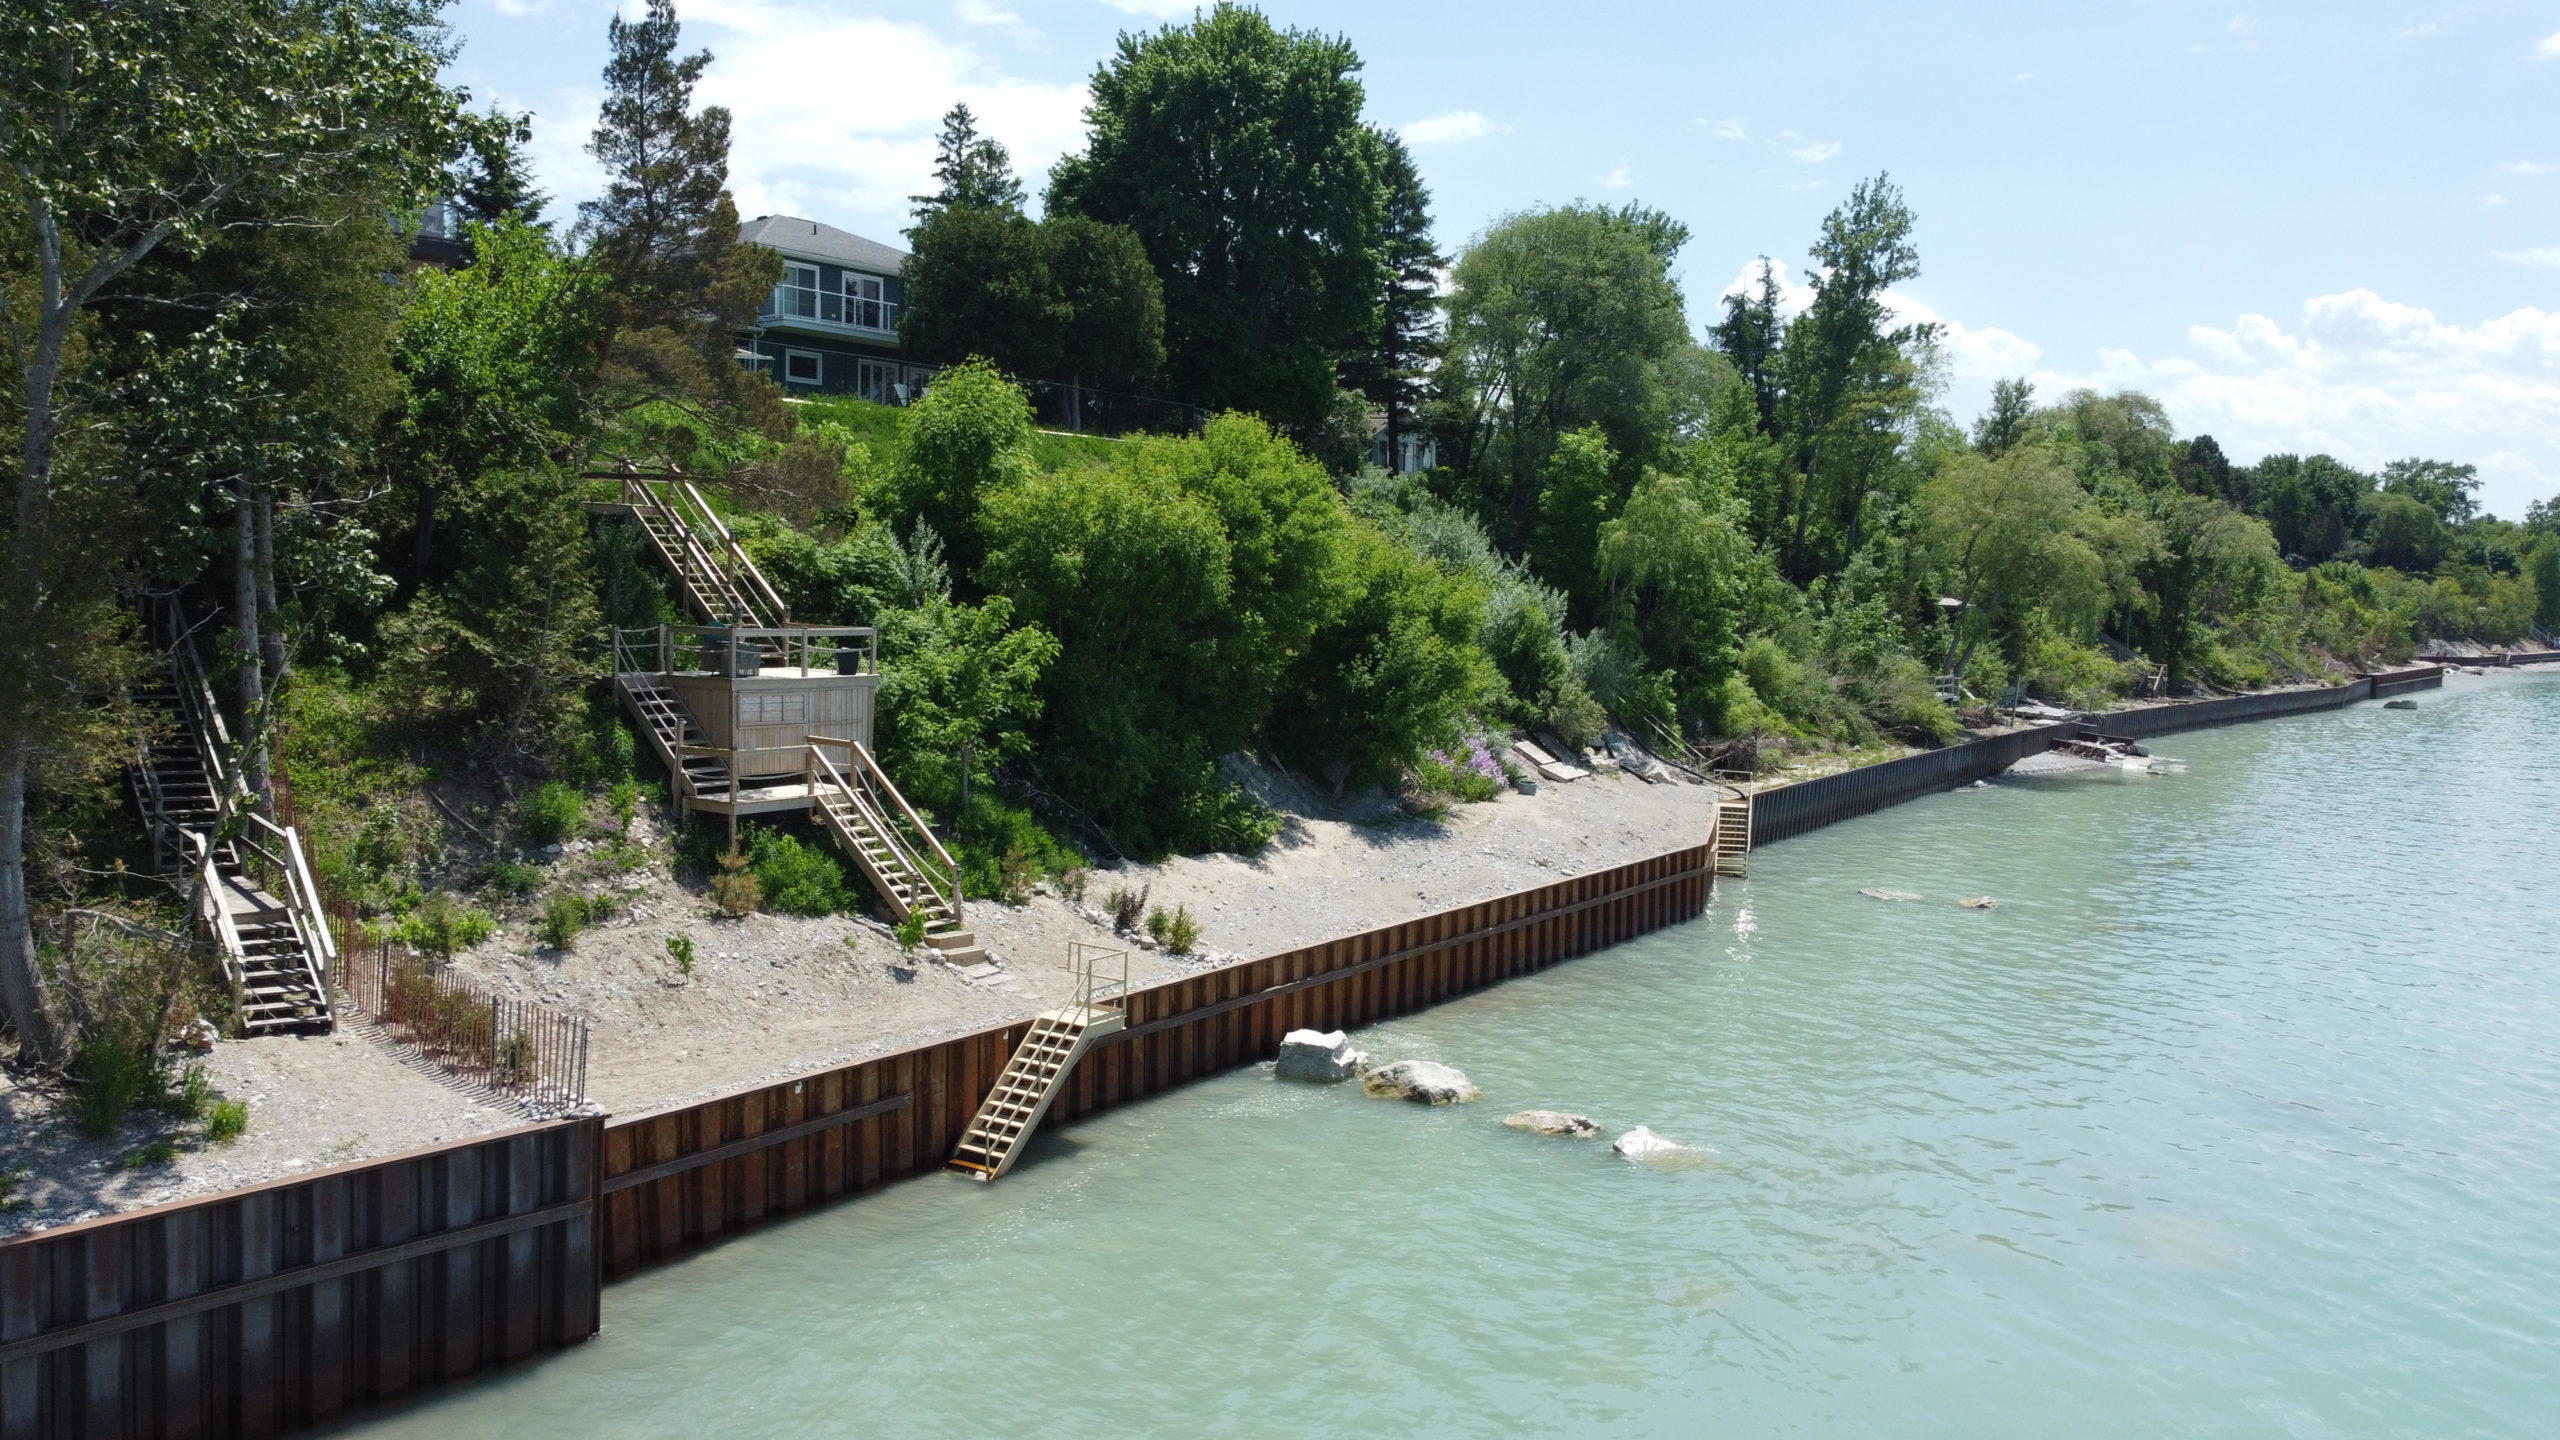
[[1849, 376], [665, 232], [493, 182], [1560, 319], [2542, 566], [1390, 673], [2451, 491], [2313, 505], [1751, 335], [2403, 531], [2009, 535], [1110, 306], [124, 129], [979, 284], [1677, 562], [969, 437], [971, 170], [1394, 374], [1236, 152], [962, 681], [1579, 494], [2005, 423], [2206, 560]]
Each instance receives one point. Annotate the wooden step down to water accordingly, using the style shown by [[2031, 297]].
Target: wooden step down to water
[[1733, 837], [1037, 1072]]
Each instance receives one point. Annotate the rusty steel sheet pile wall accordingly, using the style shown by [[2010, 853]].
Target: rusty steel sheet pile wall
[[684, 1177], [260, 1311]]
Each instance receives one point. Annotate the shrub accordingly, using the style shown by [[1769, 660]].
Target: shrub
[[111, 1077], [624, 797], [191, 1096], [226, 1121], [680, 948], [158, 1152], [514, 877], [735, 889], [442, 925], [10, 1180], [513, 1063], [1179, 932], [563, 916], [1127, 907], [1470, 773], [910, 932], [549, 812], [797, 878], [1071, 883]]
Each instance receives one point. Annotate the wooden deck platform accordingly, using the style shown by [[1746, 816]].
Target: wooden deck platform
[[778, 794]]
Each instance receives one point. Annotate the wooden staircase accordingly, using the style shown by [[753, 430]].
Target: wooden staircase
[[1733, 837], [1031, 1080], [679, 743], [710, 567], [275, 949], [863, 813]]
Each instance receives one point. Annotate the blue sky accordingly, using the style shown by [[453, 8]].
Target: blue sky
[[2303, 227]]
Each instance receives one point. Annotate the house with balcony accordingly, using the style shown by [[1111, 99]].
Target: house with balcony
[[831, 325]]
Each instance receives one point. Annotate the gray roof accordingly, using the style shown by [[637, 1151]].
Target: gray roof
[[809, 240]]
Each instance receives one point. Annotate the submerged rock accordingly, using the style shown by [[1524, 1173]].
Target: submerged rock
[[1889, 894], [1980, 902], [1646, 1148], [1554, 1122], [2399, 704], [1425, 1082], [1320, 1056]]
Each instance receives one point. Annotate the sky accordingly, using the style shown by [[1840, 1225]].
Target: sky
[[2305, 227]]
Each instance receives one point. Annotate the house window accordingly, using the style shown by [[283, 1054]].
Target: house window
[[866, 302], [802, 367], [798, 293], [774, 707], [877, 380]]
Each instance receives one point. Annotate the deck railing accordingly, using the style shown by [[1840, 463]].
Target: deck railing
[[889, 816], [709, 545], [721, 649]]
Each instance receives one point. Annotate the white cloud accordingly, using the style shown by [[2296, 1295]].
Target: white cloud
[[1731, 130], [2549, 47], [1816, 152], [2022, 77], [988, 14], [1618, 179], [2527, 167], [2367, 380], [519, 9], [1161, 9], [2492, 200], [1452, 128], [848, 155], [1971, 353], [2546, 257]]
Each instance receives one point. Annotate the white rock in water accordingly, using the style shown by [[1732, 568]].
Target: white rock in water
[[1553, 1122], [1323, 1056], [1645, 1147], [1426, 1082]]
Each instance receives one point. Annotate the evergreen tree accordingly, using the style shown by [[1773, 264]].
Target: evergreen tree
[[973, 170], [665, 231], [1750, 335], [1396, 375], [2005, 423], [491, 182]]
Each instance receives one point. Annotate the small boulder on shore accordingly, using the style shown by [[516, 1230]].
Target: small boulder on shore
[[1554, 1122], [1319, 1056], [1646, 1148], [1425, 1082]]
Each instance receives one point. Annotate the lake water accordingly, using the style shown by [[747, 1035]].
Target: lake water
[[2239, 1116]]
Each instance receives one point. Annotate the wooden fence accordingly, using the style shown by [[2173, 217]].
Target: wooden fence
[[681, 1178], [270, 1309], [514, 1047]]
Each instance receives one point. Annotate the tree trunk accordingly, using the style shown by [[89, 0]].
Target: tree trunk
[[270, 622], [21, 982], [244, 617], [1804, 507]]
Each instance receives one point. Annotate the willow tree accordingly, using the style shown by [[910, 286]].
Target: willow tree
[[127, 127]]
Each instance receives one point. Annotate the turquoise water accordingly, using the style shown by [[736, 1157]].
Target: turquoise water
[[2236, 1117]]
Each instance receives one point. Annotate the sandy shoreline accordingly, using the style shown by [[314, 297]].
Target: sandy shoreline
[[772, 995]]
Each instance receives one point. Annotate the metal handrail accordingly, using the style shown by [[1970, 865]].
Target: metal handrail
[[1085, 962]]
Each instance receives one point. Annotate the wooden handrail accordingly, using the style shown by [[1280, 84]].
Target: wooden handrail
[[747, 570], [854, 795], [862, 758]]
